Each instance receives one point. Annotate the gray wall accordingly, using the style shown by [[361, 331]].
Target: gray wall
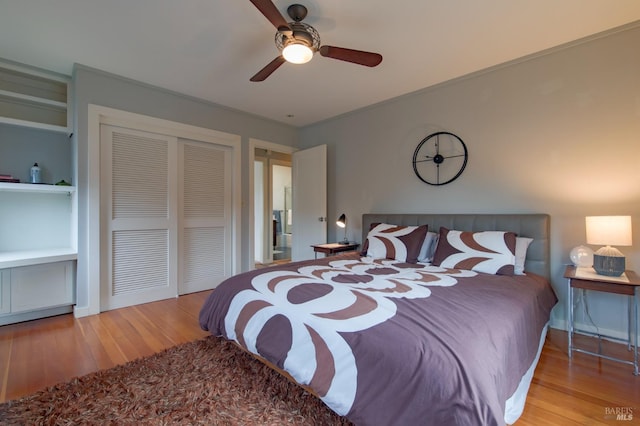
[[20, 147], [555, 133], [91, 86]]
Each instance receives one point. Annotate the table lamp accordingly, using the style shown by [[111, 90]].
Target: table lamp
[[609, 231], [342, 223]]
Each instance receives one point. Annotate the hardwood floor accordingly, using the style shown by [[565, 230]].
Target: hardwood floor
[[36, 354], [585, 390], [41, 353]]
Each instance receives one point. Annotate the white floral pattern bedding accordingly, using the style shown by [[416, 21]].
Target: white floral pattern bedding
[[383, 341]]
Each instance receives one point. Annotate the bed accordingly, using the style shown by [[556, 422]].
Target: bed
[[442, 323]]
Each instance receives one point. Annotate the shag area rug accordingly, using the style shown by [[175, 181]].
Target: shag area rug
[[208, 382]]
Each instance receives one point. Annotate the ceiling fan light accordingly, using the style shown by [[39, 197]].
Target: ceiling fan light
[[297, 53]]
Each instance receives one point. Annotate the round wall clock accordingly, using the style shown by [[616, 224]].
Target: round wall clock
[[440, 158]]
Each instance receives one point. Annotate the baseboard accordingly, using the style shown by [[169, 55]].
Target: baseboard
[[604, 332], [31, 315], [80, 312]]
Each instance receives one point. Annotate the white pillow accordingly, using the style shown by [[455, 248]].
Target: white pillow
[[522, 244], [428, 247]]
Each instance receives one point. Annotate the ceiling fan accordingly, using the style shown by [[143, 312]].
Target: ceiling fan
[[299, 41]]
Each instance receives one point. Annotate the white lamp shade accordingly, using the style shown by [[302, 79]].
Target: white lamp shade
[[297, 53], [609, 230]]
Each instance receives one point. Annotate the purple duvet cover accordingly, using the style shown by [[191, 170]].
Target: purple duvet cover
[[389, 343]]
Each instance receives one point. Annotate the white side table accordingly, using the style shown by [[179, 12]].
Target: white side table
[[628, 284]]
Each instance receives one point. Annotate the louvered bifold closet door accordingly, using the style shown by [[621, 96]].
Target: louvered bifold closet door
[[139, 174], [205, 230]]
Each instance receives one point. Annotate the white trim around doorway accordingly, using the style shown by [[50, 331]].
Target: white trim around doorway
[[253, 144], [98, 115]]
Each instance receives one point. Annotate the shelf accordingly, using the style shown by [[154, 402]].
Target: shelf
[[35, 98], [30, 111], [30, 187], [36, 257], [35, 125]]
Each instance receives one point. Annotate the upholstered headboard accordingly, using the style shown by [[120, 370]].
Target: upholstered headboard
[[534, 226]]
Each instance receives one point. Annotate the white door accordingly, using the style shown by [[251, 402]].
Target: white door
[[138, 180], [309, 177], [205, 225]]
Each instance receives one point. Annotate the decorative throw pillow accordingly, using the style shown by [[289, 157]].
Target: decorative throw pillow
[[491, 252], [401, 243], [428, 247], [522, 244]]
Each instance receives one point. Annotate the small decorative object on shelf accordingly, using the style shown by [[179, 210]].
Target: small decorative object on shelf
[[581, 256], [8, 178], [34, 174]]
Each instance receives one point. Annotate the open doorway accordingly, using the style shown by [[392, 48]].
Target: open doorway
[[273, 212], [282, 210]]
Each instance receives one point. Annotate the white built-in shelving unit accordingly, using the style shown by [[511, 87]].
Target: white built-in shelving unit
[[31, 188], [26, 239], [34, 98], [38, 222]]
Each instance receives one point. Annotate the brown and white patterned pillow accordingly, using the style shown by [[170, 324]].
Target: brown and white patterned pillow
[[491, 252], [402, 243]]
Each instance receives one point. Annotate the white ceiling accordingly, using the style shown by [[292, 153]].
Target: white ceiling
[[210, 48]]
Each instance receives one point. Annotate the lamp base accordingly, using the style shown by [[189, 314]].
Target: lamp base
[[344, 242], [611, 266]]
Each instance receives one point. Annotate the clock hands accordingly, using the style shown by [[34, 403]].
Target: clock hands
[[438, 158], [454, 150]]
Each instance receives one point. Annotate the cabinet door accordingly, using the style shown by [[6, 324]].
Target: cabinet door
[[5, 291], [138, 186], [205, 231], [41, 286]]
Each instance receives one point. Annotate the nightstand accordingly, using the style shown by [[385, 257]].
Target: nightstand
[[333, 248], [627, 285]]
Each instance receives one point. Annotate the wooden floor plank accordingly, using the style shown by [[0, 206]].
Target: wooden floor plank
[[104, 347], [6, 346], [33, 355]]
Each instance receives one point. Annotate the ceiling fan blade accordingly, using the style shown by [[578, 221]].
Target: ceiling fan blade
[[269, 69], [269, 10], [359, 57]]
